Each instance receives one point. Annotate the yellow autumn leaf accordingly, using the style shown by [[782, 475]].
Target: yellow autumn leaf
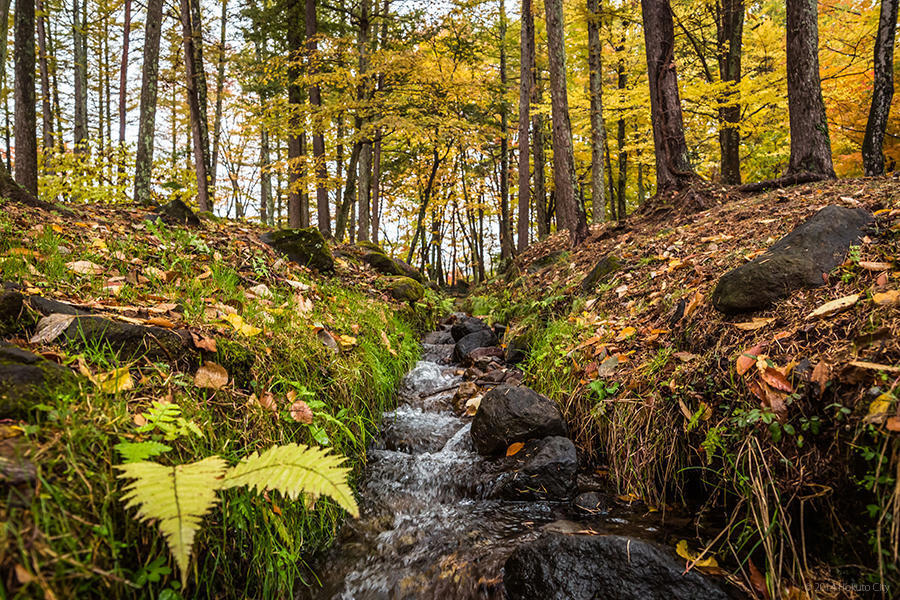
[[625, 334], [682, 550], [115, 381], [241, 326], [878, 408], [346, 341]]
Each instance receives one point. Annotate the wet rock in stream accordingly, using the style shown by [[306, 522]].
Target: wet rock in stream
[[514, 414]]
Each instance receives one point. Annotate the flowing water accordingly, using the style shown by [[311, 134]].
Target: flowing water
[[428, 528]]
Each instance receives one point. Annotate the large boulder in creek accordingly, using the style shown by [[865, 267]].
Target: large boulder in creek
[[466, 325], [27, 380], [544, 469], [483, 338], [304, 246], [801, 259], [559, 566], [510, 414], [405, 289], [131, 341]]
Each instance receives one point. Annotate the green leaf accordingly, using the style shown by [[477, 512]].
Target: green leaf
[[294, 469], [137, 451], [176, 497]]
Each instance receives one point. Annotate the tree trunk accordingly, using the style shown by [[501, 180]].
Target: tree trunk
[[220, 90], [80, 82], [426, 199], [4, 34], [622, 82], [265, 178], [147, 119], [540, 182], [364, 180], [193, 81], [598, 129], [315, 100], [729, 36], [506, 241], [46, 105], [376, 188], [25, 119], [526, 90], [123, 72], [882, 90], [673, 167], [568, 214], [343, 213], [810, 147]]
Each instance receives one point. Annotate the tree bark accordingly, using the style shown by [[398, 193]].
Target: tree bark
[[193, 81], [622, 76], [810, 146], [673, 167], [220, 90], [526, 90], [569, 216], [506, 241], [882, 90], [295, 100], [598, 128], [343, 213], [46, 105], [265, 178], [25, 118], [729, 36], [147, 119], [538, 134], [4, 34], [123, 72], [80, 82], [364, 178], [318, 142]]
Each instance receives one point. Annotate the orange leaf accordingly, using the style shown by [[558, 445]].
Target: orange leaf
[[301, 412], [161, 322], [893, 424], [514, 448], [748, 358], [773, 377]]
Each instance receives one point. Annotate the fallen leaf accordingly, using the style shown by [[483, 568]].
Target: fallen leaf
[[211, 375], [22, 575], [821, 375], [862, 364], [748, 358], [879, 408], [882, 280], [346, 341], [50, 327], [161, 322], [203, 342], [261, 291], [327, 339], [304, 305], [297, 285], [888, 298], [758, 581], [241, 326], [834, 307], [608, 366], [115, 381], [472, 405], [514, 448], [756, 323], [301, 412], [387, 343], [266, 401], [625, 334], [682, 550], [84, 267], [893, 424], [776, 379], [874, 266], [695, 303], [686, 356]]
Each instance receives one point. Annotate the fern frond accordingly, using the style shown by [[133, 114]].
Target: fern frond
[[177, 497], [293, 469], [137, 451]]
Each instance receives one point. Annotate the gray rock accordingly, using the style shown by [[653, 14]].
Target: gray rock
[[466, 325], [544, 469], [11, 304], [27, 379], [557, 566], [178, 212], [510, 414], [798, 260], [517, 349], [131, 341], [605, 267], [304, 246], [468, 344], [49, 306], [591, 503]]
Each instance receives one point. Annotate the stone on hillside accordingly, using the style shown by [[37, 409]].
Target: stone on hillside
[[178, 212], [483, 338], [545, 261], [405, 289], [466, 325], [370, 246], [304, 246], [517, 349], [382, 263], [407, 270], [11, 303], [438, 338], [606, 266], [49, 306], [558, 566], [130, 341], [544, 469], [800, 259], [514, 414], [483, 357], [27, 379]]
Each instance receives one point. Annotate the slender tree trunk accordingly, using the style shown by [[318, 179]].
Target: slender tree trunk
[[46, 106], [80, 81], [365, 157], [526, 90], [425, 201], [54, 86], [123, 73], [26, 119], [147, 120], [612, 183], [620, 136], [343, 213], [4, 34], [506, 240], [598, 129], [538, 134], [882, 91], [200, 76], [729, 34], [318, 142], [192, 70], [295, 101], [376, 188], [673, 167], [220, 90], [265, 178], [810, 146], [569, 216]]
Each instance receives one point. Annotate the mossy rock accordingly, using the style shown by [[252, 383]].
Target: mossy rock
[[11, 305], [179, 213], [370, 246], [545, 261], [407, 270], [237, 359], [131, 341], [382, 263], [27, 380], [304, 246], [405, 289], [606, 266]]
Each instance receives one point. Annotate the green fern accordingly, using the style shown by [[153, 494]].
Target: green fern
[[294, 469], [177, 497], [166, 418], [133, 452]]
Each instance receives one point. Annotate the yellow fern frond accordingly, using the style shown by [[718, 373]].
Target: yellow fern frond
[[293, 469], [177, 497]]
